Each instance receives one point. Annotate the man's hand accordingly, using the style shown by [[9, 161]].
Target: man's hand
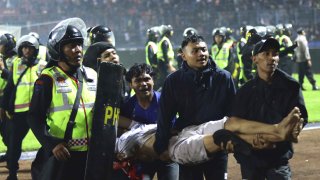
[[309, 62], [60, 152]]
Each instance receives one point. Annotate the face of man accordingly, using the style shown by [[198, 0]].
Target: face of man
[[196, 55], [267, 61], [28, 51], [73, 53], [218, 39], [142, 85], [109, 55]]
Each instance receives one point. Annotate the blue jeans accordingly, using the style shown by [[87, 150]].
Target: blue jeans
[[164, 170]]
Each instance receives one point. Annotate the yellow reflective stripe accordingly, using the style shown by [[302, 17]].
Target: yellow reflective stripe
[[69, 107]]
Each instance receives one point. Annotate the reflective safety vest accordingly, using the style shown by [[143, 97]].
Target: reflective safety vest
[[155, 49], [289, 43], [3, 82], [170, 51], [64, 91], [221, 56], [24, 88], [239, 55]]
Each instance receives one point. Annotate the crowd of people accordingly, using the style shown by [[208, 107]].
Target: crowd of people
[[130, 19], [180, 114]]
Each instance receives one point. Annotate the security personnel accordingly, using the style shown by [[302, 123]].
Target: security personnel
[[252, 37], [7, 55], [42, 49], [101, 33], [17, 96], [165, 54], [286, 58], [223, 54], [242, 41], [54, 96], [151, 52]]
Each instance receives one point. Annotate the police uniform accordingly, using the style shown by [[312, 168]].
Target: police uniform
[[16, 101], [285, 63], [50, 109]]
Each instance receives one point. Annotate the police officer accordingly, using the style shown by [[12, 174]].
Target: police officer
[[17, 96], [286, 59], [42, 49], [54, 96], [151, 52], [252, 37], [101, 33], [7, 55], [240, 44], [165, 53], [223, 53]]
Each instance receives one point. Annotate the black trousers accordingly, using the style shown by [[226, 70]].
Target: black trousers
[[286, 64], [305, 70], [215, 169], [17, 130]]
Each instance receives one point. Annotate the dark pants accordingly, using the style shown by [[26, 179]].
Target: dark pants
[[74, 168], [215, 169], [4, 131], [164, 170], [285, 64], [18, 129], [281, 172], [305, 70]]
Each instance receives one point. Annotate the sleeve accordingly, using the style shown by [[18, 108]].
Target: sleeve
[[5, 74], [166, 114], [7, 94], [40, 103], [165, 47]]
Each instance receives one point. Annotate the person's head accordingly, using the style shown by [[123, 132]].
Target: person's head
[[7, 43], [100, 52], [271, 31], [279, 29], [152, 34], [28, 47], [287, 29], [101, 33], [266, 56], [219, 35], [189, 31], [65, 45], [301, 31], [195, 52], [166, 30], [140, 79]]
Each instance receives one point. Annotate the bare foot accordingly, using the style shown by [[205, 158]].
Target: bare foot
[[286, 126], [296, 131]]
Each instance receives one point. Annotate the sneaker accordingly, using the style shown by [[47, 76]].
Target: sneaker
[[3, 158]]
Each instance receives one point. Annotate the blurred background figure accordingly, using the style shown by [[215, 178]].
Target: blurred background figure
[[42, 49], [303, 59], [101, 33]]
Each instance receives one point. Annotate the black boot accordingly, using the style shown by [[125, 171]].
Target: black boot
[[12, 176], [315, 88]]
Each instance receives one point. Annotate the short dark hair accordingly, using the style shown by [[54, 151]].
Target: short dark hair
[[137, 70], [193, 39]]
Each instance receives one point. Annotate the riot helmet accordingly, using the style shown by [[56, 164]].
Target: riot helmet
[[152, 34], [8, 41], [287, 30], [271, 31], [189, 31], [28, 41], [67, 31], [279, 29], [166, 30], [261, 30], [244, 30], [101, 34]]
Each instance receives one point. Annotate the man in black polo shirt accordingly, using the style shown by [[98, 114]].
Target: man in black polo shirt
[[269, 97]]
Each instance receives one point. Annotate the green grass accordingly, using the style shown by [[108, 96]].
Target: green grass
[[312, 100]]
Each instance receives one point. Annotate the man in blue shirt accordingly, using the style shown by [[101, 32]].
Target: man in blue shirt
[[142, 108]]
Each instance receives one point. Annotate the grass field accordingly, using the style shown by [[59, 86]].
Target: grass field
[[312, 100]]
